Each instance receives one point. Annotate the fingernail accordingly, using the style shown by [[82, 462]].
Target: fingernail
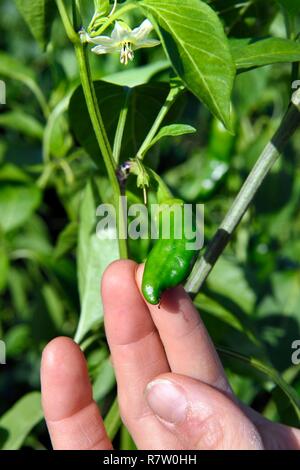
[[167, 400]]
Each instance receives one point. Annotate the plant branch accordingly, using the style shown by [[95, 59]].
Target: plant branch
[[97, 122], [269, 156], [170, 100], [71, 33], [94, 112], [121, 128], [268, 371], [114, 8], [115, 16], [102, 139]]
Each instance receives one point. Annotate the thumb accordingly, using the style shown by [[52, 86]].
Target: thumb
[[200, 416]]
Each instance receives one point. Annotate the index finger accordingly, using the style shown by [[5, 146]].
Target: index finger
[[188, 346]]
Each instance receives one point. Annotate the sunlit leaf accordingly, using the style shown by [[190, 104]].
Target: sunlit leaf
[[18, 421], [23, 123], [17, 203], [67, 240], [173, 130], [94, 255], [251, 53], [145, 102], [38, 15], [198, 49]]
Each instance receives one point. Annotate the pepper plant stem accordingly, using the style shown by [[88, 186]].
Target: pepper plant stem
[[269, 156], [94, 112], [71, 33], [99, 129], [97, 122], [170, 100]]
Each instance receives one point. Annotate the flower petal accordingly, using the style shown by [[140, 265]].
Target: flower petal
[[146, 43], [142, 31], [120, 32], [102, 41], [105, 49]]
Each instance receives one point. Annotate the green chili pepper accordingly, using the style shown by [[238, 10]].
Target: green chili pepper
[[169, 262]]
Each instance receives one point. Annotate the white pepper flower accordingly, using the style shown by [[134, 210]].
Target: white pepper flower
[[124, 41]]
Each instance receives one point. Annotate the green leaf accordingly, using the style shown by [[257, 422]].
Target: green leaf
[[161, 189], [16, 423], [23, 123], [288, 414], [174, 130], [17, 286], [113, 421], [145, 102], [33, 237], [12, 173], [251, 53], [203, 302], [101, 254], [292, 6], [197, 178], [286, 286], [12, 68], [126, 441], [198, 49], [105, 380], [269, 372], [229, 325], [102, 7], [17, 340], [55, 306], [86, 228], [229, 280], [4, 268], [63, 272], [94, 255], [57, 140], [17, 203], [137, 76], [67, 240], [38, 15]]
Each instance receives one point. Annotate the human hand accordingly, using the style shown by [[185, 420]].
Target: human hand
[[172, 389]]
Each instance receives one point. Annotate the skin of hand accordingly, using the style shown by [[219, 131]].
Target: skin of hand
[[172, 389]]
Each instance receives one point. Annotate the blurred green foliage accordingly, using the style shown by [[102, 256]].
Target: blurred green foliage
[[49, 183]]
